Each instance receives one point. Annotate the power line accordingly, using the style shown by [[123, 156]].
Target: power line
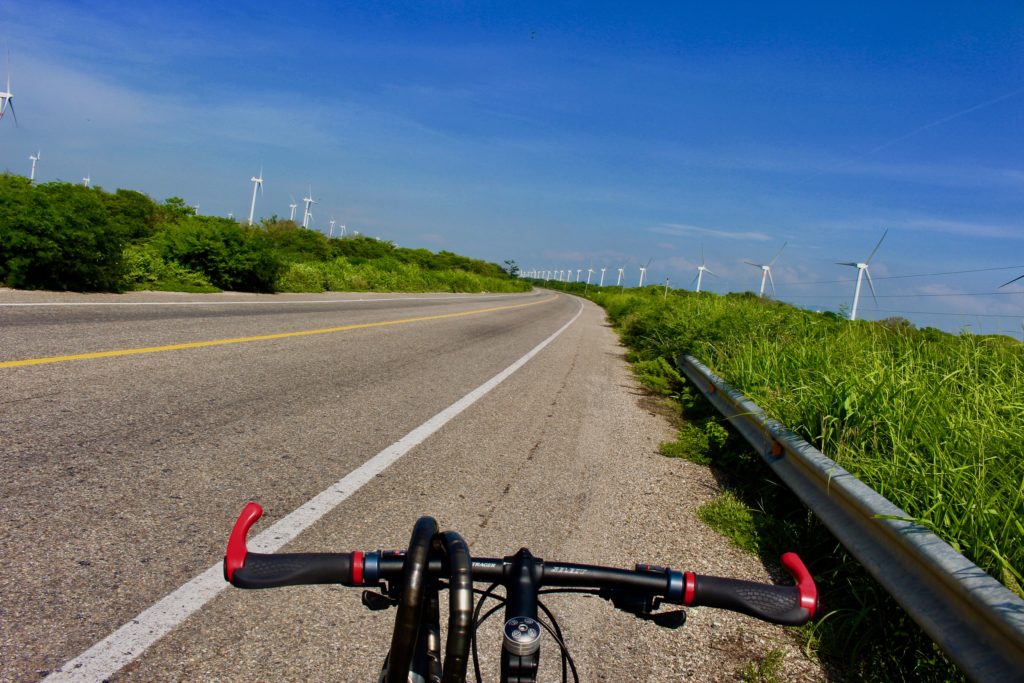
[[902, 296], [963, 315], [900, 277]]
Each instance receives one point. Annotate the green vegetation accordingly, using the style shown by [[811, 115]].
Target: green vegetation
[[60, 236], [932, 421], [766, 670]]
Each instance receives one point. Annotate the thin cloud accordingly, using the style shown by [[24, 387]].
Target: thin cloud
[[679, 230]]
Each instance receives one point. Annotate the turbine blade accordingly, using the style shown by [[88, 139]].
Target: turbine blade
[[846, 263], [698, 275], [772, 262], [871, 285], [771, 281], [1011, 281], [710, 273], [756, 265], [10, 105], [877, 245]]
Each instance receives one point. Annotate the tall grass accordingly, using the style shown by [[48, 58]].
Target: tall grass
[[387, 275], [934, 422]]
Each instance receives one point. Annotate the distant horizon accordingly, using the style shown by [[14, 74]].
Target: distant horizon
[[569, 135]]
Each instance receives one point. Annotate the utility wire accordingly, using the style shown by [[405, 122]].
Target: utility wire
[[902, 296], [963, 315], [900, 277]]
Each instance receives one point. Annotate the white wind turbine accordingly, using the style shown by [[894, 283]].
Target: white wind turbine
[[307, 200], [86, 180], [256, 182], [34, 157], [643, 271], [862, 270], [292, 206], [7, 97], [332, 226], [342, 230], [701, 269], [766, 269], [602, 276], [618, 281]]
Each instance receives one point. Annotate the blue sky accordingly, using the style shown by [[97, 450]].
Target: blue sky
[[565, 135]]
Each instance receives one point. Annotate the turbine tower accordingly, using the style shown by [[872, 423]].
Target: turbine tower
[[602, 276], [34, 157], [7, 97], [307, 200], [618, 282], [766, 269], [86, 180], [643, 271], [862, 270], [332, 226], [256, 182], [342, 230], [701, 269], [292, 206]]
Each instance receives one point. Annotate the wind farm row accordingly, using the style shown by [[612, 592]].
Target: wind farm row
[[572, 275]]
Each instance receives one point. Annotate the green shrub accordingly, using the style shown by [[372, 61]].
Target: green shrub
[[145, 269], [232, 256], [57, 236]]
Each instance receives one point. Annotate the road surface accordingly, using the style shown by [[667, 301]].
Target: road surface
[[134, 428]]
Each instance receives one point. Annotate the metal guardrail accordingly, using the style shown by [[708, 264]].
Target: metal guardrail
[[976, 620]]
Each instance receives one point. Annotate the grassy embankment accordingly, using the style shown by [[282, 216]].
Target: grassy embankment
[[60, 236], [934, 422]]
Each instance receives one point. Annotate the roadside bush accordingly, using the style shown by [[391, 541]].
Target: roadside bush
[[229, 255], [57, 236], [146, 269]]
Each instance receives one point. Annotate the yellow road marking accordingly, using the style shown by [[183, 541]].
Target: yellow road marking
[[261, 337]]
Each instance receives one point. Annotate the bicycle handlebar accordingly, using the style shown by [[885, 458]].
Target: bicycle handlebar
[[631, 590]]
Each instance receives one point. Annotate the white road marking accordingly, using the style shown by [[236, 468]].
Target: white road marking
[[221, 302], [127, 643]]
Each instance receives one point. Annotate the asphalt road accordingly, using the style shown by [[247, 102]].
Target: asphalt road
[[122, 474]]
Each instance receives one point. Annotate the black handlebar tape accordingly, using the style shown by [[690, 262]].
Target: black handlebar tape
[[411, 603], [293, 569], [775, 604], [460, 605]]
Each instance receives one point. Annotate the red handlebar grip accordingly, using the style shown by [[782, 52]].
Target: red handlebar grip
[[808, 591], [235, 557]]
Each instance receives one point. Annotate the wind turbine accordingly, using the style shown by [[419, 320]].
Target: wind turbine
[[618, 281], [332, 226], [307, 200], [86, 180], [766, 269], [34, 157], [602, 276], [701, 269], [292, 206], [643, 271], [862, 270], [342, 230], [256, 182], [7, 97]]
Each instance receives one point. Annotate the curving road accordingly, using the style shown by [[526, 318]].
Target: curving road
[[134, 428]]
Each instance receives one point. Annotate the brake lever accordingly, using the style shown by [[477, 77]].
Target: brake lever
[[376, 602], [673, 619]]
